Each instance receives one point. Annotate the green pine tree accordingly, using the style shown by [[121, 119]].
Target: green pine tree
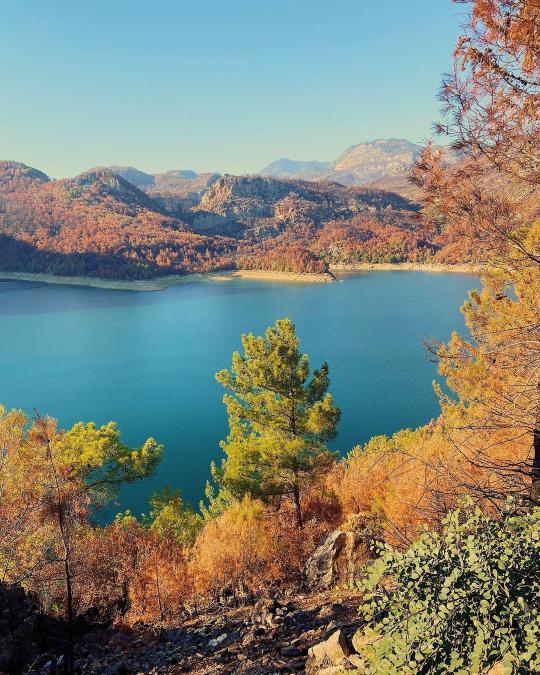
[[280, 419]]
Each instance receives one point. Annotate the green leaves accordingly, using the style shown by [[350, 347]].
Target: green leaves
[[279, 418], [99, 457], [170, 517], [454, 606]]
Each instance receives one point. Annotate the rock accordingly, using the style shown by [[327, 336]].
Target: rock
[[290, 650], [342, 554], [174, 635], [332, 652], [356, 660], [496, 669], [320, 567], [363, 638], [264, 611], [217, 641]]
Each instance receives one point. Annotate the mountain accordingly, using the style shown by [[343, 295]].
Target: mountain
[[135, 176], [102, 224], [360, 164], [180, 182], [16, 175], [290, 168], [95, 224], [378, 159], [253, 202]]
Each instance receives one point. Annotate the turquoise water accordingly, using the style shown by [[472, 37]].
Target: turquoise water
[[147, 360]]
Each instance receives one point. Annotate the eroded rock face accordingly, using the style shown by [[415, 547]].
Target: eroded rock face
[[258, 205]]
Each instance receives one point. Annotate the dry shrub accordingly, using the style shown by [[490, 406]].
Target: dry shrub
[[160, 588], [404, 481], [128, 571], [251, 548]]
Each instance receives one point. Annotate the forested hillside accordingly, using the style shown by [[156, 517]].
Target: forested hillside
[[101, 224]]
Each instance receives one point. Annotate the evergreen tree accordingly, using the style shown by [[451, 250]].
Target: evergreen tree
[[280, 419]]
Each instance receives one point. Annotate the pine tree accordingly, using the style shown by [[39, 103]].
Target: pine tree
[[280, 419]]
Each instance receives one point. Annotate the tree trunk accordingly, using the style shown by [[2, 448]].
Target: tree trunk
[[70, 657], [535, 470], [296, 494]]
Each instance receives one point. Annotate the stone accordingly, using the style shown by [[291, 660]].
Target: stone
[[319, 570], [296, 664], [356, 660], [342, 554], [496, 669], [217, 641], [363, 638], [264, 611], [332, 652]]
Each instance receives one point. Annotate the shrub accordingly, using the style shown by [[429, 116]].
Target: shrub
[[459, 601]]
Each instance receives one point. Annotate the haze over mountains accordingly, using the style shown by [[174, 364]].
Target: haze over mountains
[[383, 161], [122, 222]]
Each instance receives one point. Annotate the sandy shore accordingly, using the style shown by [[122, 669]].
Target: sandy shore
[[269, 275], [466, 268], [160, 283]]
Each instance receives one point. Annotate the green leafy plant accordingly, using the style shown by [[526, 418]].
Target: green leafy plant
[[458, 601]]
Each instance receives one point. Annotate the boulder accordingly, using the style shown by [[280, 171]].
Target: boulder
[[266, 611], [342, 555]]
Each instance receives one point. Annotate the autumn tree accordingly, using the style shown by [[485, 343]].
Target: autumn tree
[[52, 482], [280, 419], [490, 197]]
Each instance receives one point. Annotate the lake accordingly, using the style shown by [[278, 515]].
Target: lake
[[147, 360]]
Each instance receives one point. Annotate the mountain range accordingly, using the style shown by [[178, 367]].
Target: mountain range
[[121, 222], [384, 163]]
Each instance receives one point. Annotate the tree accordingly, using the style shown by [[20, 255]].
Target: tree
[[490, 197], [51, 484], [280, 420], [494, 421], [169, 516]]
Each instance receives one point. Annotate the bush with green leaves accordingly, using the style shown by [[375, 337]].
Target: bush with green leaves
[[458, 601]]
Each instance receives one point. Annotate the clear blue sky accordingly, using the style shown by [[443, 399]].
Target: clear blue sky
[[225, 85]]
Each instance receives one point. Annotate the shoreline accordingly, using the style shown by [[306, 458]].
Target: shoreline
[[162, 283], [461, 268]]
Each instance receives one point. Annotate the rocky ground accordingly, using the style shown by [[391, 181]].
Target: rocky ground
[[274, 636]]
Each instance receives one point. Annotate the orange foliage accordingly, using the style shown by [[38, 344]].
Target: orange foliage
[[251, 548]]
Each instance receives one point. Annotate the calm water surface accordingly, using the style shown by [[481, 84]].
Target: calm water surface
[[147, 360]]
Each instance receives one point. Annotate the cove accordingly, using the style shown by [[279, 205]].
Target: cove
[[147, 360]]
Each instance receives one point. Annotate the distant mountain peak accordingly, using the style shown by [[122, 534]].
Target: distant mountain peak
[[135, 176], [291, 168], [359, 164]]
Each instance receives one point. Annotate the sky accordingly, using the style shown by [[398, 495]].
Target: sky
[[215, 85]]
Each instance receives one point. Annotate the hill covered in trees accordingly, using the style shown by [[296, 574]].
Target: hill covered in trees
[[101, 224]]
